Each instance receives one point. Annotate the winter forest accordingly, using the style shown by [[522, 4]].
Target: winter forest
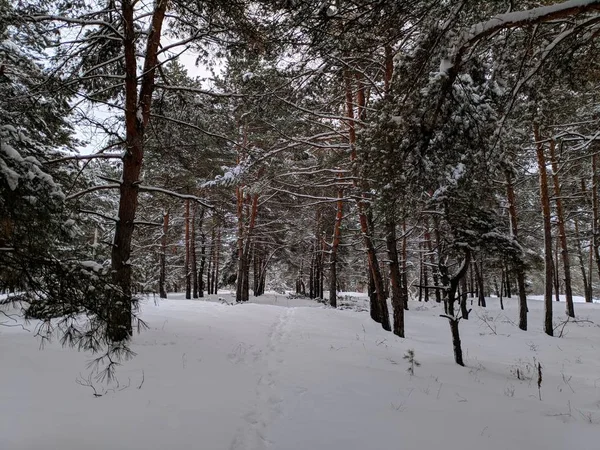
[[292, 224]]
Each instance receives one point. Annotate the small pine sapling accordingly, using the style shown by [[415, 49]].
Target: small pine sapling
[[410, 357]]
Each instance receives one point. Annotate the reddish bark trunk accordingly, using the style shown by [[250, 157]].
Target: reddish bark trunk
[[137, 114]]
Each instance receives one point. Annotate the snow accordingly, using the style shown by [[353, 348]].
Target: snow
[[529, 15], [445, 66], [290, 374]]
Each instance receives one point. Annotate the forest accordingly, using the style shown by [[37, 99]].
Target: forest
[[415, 152]]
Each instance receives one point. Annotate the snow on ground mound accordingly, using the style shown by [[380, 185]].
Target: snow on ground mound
[[214, 376]]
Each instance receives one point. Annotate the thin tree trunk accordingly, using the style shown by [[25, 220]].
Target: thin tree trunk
[[545, 204], [480, 284], [188, 273], [586, 285], [217, 260], [502, 282], [420, 273], [463, 298], [452, 283], [404, 273], [397, 298], [595, 212], [520, 270], [456, 345], [202, 262], [555, 273], [163, 257], [194, 267], [211, 261], [507, 290]]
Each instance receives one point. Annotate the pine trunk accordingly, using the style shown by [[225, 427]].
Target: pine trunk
[[163, 257], [188, 273], [545, 204], [395, 279], [137, 114], [520, 271]]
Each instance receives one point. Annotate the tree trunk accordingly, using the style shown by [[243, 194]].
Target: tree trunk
[[396, 282], [586, 285], [463, 298], [404, 273], [456, 345], [452, 283], [137, 114], [555, 274], [188, 273], [194, 267], [562, 234], [432, 261], [545, 204], [202, 262], [507, 289], [163, 257], [480, 284], [520, 270], [379, 310], [595, 212], [211, 255]]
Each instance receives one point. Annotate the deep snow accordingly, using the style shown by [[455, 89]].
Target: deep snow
[[290, 374]]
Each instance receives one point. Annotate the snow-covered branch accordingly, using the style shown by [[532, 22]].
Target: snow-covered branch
[[86, 157], [174, 194], [93, 189]]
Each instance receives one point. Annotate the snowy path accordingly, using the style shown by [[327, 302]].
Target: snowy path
[[253, 434], [289, 377]]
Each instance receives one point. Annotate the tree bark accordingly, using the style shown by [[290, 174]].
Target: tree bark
[[545, 204], [194, 265], [188, 273], [202, 262], [163, 257], [404, 273], [520, 270], [137, 114], [217, 261], [584, 276], [396, 282], [480, 284]]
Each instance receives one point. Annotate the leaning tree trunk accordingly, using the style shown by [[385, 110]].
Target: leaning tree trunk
[[163, 257], [520, 272], [137, 114], [545, 203]]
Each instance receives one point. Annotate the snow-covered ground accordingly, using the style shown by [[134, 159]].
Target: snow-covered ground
[[290, 374]]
